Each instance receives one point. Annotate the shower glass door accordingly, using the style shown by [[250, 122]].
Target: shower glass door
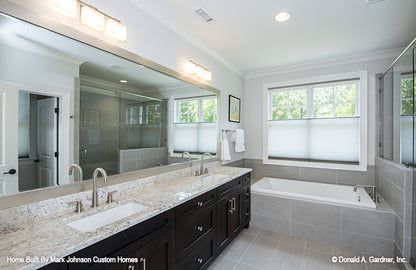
[[413, 239]]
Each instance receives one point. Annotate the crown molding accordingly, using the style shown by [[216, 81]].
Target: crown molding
[[325, 63]]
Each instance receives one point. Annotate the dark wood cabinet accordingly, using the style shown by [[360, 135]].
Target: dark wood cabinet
[[187, 237], [152, 240], [246, 209], [201, 257], [229, 209]]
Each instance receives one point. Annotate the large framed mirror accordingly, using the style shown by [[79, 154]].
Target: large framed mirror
[[64, 102]]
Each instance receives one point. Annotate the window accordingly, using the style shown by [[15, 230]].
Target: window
[[408, 89], [407, 95], [149, 114], [195, 125], [316, 122]]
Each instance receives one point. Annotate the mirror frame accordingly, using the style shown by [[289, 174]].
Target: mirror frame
[[36, 195]]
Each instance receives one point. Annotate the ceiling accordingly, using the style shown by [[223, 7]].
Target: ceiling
[[245, 37]]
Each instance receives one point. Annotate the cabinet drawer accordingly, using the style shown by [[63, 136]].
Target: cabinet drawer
[[247, 179], [126, 242], [201, 258], [246, 193], [229, 187], [191, 232], [192, 207]]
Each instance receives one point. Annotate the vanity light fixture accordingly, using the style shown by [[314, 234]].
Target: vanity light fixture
[[116, 30], [282, 16], [91, 17], [67, 8], [123, 81], [197, 70]]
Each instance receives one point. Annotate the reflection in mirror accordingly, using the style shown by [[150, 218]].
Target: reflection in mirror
[[396, 97], [68, 102]]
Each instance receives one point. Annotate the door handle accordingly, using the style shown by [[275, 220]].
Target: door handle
[[36, 160], [231, 206], [143, 261], [234, 203], [11, 171]]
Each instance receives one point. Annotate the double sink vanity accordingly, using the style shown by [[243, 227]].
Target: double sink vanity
[[174, 220]]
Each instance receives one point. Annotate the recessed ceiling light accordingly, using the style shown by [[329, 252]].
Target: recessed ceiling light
[[123, 81], [282, 16]]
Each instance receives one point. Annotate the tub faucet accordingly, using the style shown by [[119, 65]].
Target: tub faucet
[[73, 166], [201, 170], [94, 185], [373, 190]]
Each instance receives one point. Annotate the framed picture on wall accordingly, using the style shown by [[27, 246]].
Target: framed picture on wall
[[234, 105]]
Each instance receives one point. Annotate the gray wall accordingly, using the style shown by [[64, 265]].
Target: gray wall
[[340, 177]]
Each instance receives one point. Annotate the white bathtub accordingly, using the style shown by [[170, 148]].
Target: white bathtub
[[320, 192]]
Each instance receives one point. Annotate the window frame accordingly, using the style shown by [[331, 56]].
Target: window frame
[[200, 112], [361, 105]]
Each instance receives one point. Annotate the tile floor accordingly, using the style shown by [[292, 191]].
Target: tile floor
[[256, 249]]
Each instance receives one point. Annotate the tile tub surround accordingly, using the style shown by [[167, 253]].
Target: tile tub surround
[[341, 177], [395, 184], [40, 229], [362, 229]]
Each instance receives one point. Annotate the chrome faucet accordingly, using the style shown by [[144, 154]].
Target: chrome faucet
[[372, 194], [201, 170], [189, 155], [94, 185], [79, 171]]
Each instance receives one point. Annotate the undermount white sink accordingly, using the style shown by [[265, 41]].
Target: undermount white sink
[[214, 177], [106, 217]]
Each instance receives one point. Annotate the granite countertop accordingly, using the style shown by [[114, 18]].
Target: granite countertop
[[40, 231]]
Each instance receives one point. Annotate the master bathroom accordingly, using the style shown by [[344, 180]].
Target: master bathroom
[[207, 135]]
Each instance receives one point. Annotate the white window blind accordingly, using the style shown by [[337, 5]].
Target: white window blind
[[317, 122], [195, 126]]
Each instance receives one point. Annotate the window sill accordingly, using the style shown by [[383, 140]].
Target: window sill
[[317, 165]]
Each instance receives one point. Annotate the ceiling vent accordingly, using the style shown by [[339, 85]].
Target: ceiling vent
[[204, 15], [372, 1]]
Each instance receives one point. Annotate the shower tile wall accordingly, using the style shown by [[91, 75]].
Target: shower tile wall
[[394, 182], [138, 159], [99, 132], [340, 177]]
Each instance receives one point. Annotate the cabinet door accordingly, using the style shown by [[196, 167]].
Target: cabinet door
[[223, 220], [158, 254], [235, 214]]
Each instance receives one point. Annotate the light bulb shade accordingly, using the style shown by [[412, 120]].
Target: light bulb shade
[[67, 8], [207, 75], [190, 67], [198, 71], [116, 30], [92, 18]]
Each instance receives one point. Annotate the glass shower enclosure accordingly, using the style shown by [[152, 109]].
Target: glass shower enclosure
[[396, 128], [118, 130]]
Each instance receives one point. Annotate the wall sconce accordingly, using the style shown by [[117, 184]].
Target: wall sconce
[[67, 8], [91, 17], [197, 70], [117, 30]]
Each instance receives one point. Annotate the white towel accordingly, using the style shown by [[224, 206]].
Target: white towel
[[225, 150], [238, 137]]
